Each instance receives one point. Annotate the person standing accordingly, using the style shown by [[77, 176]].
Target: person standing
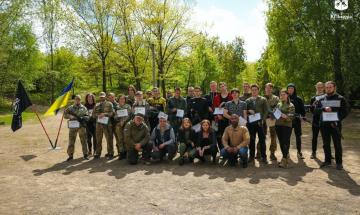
[[257, 112], [112, 124], [315, 125], [130, 98], [198, 108], [334, 109], [283, 126], [91, 124], [141, 106], [235, 106], [246, 91], [236, 140], [210, 98], [78, 116], [176, 109], [103, 112], [122, 116], [299, 114], [157, 104]]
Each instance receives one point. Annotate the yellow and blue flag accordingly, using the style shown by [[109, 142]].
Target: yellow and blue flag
[[61, 101]]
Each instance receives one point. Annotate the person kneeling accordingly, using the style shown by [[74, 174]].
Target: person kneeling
[[235, 139], [163, 140], [186, 136], [206, 142], [137, 140]]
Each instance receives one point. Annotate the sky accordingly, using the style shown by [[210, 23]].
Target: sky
[[230, 18]]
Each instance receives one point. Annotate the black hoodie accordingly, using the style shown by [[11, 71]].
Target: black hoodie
[[297, 101]]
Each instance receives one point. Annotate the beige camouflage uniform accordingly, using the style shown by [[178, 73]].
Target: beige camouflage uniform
[[120, 123], [105, 107]]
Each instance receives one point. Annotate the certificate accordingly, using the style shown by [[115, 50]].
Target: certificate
[[219, 111], [179, 113], [331, 103], [277, 113], [197, 127], [330, 116], [122, 113], [140, 110], [317, 98], [254, 117], [242, 121], [91, 112], [73, 124], [104, 120]]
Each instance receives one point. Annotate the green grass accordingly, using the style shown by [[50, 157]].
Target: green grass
[[7, 118]]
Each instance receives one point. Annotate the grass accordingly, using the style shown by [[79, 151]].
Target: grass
[[7, 118]]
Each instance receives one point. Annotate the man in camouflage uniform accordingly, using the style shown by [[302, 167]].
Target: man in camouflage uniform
[[120, 122], [112, 124], [157, 104], [272, 101], [104, 109], [77, 112]]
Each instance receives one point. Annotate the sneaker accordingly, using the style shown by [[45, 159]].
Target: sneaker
[[283, 163], [86, 157], [300, 155], [313, 155], [339, 166], [325, 164], [273, 157], [69, 158]]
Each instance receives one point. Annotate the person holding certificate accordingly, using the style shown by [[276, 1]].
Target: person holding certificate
[[78, 116], [157, 104], [122, 116], [103, 111], [112, 123], [283, 125], [257, 108], [141, 106], [176, 109], [333, 108]]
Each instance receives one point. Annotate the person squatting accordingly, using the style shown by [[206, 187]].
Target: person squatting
[[202, 126]]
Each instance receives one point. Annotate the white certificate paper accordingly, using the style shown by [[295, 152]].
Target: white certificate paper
[[331, 103], [197, 127], [254, 117], [104, 120], [73, 124], [140, 110], [277, 113], [330, 116], [91, 112], [219, 111], [242, 121], [317, 98], [179, 113], [122, 113]]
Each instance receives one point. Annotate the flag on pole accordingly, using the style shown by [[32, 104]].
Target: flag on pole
[[61, 101], [21, 102]]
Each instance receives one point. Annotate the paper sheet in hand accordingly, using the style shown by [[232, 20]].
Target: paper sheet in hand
[[91, 112], [242, 121], [219, 111], [317, 98], [104, 120], [140, 110], [197, 127], [254, 117], [330, 116], [277, 113], [73, 124], [179, 113], [331, 103], [122, 113]]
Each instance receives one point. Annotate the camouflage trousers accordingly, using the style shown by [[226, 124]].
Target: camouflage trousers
[[72, 138], [273, 144], [108, 131], [186, 148], [119, 137]]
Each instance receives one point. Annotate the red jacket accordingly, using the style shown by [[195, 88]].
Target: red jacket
[[217, 99]]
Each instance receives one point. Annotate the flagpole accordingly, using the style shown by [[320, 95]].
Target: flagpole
[[42, 125], [57, 137]]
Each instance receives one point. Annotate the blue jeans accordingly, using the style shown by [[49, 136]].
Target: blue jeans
[[232, 158]]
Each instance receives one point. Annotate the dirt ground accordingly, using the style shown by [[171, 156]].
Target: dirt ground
[[35, 180]]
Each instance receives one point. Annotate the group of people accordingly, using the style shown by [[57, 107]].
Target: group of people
[[199, 125]]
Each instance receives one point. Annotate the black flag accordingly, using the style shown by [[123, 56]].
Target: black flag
[[21, 102]]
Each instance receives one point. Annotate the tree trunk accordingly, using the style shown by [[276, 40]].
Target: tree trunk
[[137, 80], [103, 74]]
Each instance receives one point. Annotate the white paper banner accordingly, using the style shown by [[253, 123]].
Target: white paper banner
[[330, 116], [73, 124]]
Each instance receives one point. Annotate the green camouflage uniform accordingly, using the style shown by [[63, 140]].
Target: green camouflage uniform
[[106, 108], [81, 112], [120, 123]]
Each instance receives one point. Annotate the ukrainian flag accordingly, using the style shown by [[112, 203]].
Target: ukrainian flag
[[61, 101]]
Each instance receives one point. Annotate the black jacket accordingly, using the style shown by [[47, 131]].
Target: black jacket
[[342, 111], [297, 102], [198, 110], [182, 137]]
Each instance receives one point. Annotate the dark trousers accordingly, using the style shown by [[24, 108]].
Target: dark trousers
[[211, 151], [91, 135], [328, 132], [296, 125], [232, 158], [222, 124], [284, 133], [168, 149], [133, 154], [315, 134], [257, 128]]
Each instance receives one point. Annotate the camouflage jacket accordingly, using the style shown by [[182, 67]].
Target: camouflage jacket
[[80, 112]]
